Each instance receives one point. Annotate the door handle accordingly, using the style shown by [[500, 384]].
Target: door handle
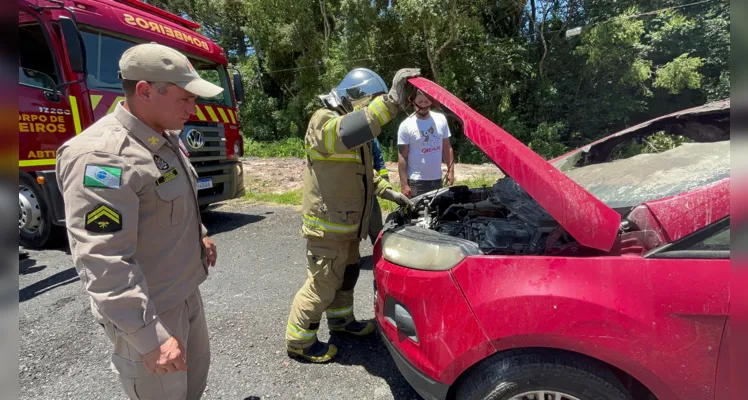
[[52, 96]]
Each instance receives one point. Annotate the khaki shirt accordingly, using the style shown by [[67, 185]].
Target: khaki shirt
[[133, 222]]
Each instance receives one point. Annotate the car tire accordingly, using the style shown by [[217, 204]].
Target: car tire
[[39, 232], [510, 375]]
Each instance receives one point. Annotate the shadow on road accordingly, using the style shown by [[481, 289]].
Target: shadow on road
[[27, 266], [367, 263], [220, 221], [371, 354], [62, 278]]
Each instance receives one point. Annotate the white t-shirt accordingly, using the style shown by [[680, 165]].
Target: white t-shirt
[[424, 139]]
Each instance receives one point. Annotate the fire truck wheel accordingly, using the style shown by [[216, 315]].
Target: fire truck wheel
[[35, 228]]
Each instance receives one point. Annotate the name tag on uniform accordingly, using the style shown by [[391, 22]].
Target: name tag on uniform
[[168, 176]]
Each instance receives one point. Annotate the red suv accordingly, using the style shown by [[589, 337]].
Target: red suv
[[575, 278]]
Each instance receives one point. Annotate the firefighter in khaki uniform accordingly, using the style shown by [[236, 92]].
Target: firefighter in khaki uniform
[[134, 227], [338, 187]]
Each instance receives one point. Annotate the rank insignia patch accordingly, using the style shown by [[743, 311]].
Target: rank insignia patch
[[103, 219], [160, 163], [168, 176]]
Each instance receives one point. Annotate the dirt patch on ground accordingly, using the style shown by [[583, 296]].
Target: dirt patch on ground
[[280, 175]]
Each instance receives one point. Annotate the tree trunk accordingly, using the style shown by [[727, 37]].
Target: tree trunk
[[432, 59], [532, 19], [323, 11]]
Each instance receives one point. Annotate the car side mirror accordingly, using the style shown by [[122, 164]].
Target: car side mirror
[[238, 87]]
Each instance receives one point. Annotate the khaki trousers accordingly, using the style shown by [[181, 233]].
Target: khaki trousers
[[332, 273], [186, 322]]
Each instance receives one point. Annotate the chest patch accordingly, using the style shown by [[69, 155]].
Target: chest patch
[[160, 162], [168, 176]]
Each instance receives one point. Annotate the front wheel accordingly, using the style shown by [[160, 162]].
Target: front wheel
[[540, 376], [35, 227]]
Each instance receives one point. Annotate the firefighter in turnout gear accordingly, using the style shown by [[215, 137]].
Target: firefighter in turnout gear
[[337, 202]]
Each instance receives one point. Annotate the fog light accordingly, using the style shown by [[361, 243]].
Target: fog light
[[399, 316], [239, 169]]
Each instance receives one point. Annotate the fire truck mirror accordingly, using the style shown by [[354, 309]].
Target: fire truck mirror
[[74, 44], [238, 87]]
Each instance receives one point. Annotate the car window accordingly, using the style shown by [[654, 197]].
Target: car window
[[718, 241], [711, 242]]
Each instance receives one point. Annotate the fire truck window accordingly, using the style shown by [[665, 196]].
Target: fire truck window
[[217, 75], [102, 61], [37, 66]]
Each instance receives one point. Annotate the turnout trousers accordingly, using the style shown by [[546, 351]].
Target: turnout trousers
[[332, 272]]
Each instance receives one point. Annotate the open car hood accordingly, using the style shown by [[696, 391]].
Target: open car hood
[[586, 218]]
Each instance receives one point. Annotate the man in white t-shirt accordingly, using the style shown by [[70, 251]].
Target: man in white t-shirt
[[423, 141]]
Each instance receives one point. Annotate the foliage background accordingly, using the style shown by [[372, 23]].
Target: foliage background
[[509, 59]]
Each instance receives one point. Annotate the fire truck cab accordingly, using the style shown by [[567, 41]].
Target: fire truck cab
[[68, 79]]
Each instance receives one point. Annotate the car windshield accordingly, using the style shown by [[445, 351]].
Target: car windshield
[[103, 50]]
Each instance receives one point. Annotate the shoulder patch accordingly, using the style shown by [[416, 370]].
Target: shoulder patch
[[103, 219], [160, 162], [102, 176], [168, 176]]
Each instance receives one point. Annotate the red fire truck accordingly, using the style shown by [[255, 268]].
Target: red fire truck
[[68, 78]]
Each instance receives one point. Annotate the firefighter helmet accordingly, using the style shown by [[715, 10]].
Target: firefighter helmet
[[357, 88]]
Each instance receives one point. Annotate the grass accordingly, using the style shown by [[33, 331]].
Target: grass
[[292, 198], [290, 147]]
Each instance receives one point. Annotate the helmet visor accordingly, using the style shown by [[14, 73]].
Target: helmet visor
[[360, 84]]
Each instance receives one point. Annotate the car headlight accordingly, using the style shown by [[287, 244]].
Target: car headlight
[[423, 249], [237, 148]]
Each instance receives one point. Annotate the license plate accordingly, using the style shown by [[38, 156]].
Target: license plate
[[205, 183]]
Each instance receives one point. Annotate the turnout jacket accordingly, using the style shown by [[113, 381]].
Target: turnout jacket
[[339, 182]]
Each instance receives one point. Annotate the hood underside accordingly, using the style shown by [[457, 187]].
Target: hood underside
[[591, 222]]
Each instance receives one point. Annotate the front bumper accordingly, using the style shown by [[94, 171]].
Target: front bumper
[[228, 182], [428, 388], [428, 325]]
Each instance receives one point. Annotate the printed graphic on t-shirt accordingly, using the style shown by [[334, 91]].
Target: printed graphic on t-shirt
[[432, 140]]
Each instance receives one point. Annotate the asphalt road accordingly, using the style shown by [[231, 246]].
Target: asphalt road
[[64, 354]]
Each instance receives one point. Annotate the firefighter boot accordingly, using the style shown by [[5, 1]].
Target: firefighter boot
[[355, 328], [319, 352]]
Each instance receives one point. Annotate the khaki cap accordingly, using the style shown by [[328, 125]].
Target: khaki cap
[[158, 63]]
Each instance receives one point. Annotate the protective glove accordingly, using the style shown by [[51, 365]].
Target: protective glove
[[397, 93], [396, 197]]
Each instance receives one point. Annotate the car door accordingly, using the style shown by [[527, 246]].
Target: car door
[[46, 117], [694, 274]]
